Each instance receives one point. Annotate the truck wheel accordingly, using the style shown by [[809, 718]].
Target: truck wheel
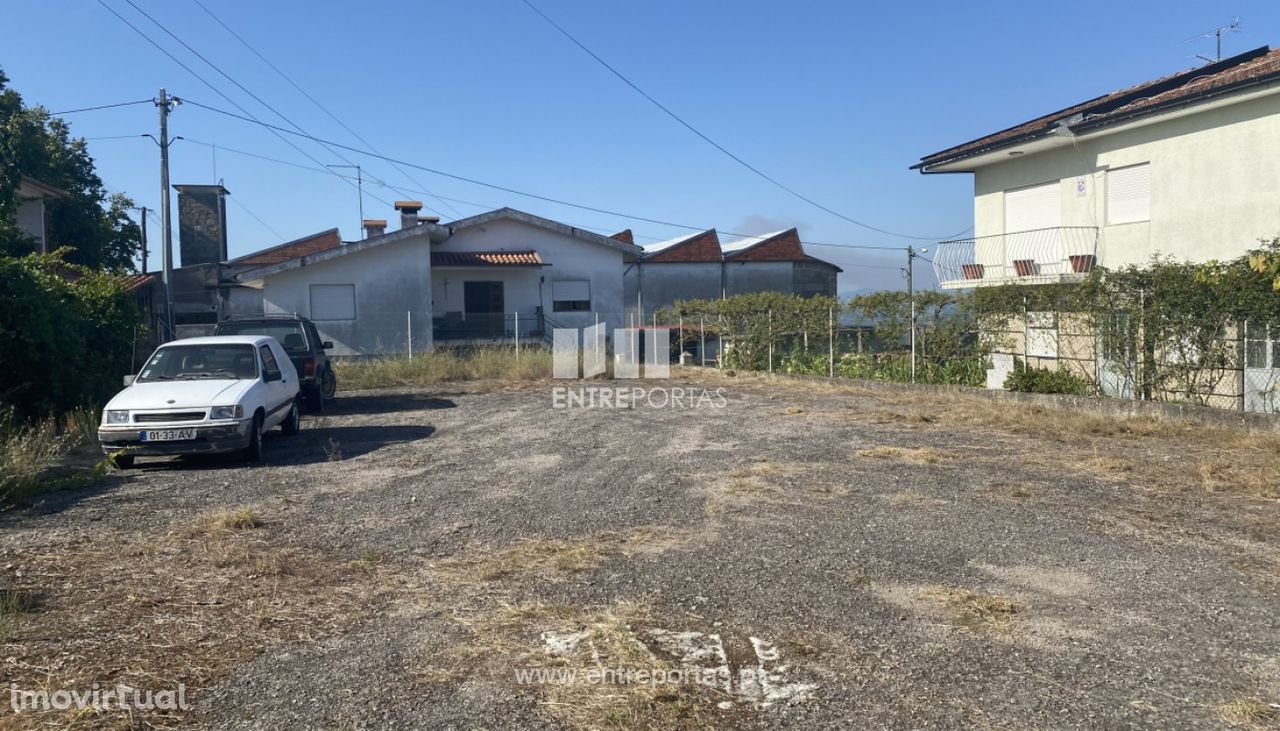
[[329, 384], [315, 401], [293, 422], [253, 452]]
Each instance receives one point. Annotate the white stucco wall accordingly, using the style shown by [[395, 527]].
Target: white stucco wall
[[566, 257], [1215, 184], [30, 220], [390, 281]]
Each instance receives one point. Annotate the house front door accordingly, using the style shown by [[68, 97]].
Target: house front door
[[484, 307]]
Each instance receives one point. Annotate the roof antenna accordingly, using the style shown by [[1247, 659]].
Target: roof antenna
[[1216, 34]]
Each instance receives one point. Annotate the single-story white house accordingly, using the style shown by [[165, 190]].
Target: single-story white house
[[488, 277]]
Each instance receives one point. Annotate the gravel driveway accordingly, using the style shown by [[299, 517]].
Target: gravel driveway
[[819, 557]]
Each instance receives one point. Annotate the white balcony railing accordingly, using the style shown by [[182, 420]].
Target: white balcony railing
[[1061, 254]]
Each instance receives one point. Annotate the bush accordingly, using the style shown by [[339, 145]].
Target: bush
[[66, 335], [1045, 380]]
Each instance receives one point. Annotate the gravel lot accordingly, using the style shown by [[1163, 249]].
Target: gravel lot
[[836, 558]]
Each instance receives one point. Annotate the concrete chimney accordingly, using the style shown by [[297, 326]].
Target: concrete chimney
[[428, 219], [202, 224], [374, 227], [408, 213]]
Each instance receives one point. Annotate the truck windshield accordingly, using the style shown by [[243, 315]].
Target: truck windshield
[[231, 361], [289, 334]]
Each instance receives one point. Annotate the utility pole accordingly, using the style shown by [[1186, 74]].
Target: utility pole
[[359, 194], [166, 104], [143, 230], [911, 295]]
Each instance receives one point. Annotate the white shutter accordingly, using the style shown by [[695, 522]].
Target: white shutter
[[1034, 207], [1129, 194], [571, 290], [333, 302]]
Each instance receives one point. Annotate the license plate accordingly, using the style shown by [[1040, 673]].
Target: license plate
[[167, 435]]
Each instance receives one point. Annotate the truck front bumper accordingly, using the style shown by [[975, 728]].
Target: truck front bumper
[[227, 436]]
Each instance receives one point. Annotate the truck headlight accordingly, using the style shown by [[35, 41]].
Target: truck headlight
[[227, 412], [117, 417]]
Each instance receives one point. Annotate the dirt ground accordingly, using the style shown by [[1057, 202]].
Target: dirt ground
[[816, 557]]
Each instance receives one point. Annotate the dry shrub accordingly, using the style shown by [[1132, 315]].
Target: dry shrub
[[971, 609], [181, 608]]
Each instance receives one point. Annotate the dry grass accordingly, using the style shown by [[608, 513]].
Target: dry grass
[[919, 455], [184, 607], [550, 558], [493, 364], [974, 610], [1249, 712]]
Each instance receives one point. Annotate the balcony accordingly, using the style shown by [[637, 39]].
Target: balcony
[[1041, 256]]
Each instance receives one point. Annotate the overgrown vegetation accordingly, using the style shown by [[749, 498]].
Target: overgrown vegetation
[[444, 365], [33, 454], [1045, 380]]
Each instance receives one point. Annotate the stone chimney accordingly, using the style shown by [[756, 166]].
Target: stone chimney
[[202, 224], [374, 227], [408, 213]]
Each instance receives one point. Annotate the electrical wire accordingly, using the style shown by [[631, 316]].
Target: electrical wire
[[712, 142], [257, 218], [316, 102], [216, 90], [506, 189], [103, 106]]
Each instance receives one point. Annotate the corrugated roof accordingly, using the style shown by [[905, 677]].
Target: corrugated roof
[[1260, 64], [780, 246], [525, 258]]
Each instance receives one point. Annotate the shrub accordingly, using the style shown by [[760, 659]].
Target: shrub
[[1045, 380]]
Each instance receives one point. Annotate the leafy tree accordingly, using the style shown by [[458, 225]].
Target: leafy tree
[[92, 223]]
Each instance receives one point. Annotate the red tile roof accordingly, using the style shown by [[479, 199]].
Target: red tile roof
[[703, 247], [784, 246], [526, 258], [1261, 64], [305, 246]]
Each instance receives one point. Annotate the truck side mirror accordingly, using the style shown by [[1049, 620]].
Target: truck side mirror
[[128, 381], [327, 345]]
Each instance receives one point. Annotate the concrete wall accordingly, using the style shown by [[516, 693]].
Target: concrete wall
[[811, 278], [390, 281], [1214, 187], [567, 258], [662, 284], [758, 276]]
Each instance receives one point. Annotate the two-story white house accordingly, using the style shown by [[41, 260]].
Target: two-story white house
[[1187, 166]]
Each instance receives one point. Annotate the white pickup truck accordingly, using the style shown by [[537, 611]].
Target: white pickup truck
[[200, 395]]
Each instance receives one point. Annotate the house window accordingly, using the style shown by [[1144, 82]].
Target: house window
[[1033, 208], [1129, 194], [333, 302], [570, 295]]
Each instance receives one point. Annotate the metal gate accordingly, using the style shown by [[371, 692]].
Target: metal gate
[[1261, 368]]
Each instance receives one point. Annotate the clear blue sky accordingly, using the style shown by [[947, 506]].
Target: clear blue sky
[[836, 99]]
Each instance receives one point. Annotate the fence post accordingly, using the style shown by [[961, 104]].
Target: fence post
[[517, 328], [702, 333], [771, 341], [680, 354], [409, 329], [831, 342]]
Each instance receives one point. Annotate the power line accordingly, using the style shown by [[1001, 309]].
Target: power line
[[503, 188], [316, 102], [103, 106], [115, 137], [712, 142], [265, 225], [216, 90]]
